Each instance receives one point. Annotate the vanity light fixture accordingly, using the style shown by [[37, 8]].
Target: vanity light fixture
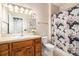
[[30, 12], [26, 11], [16, 8], [10, 7], [21, 10]]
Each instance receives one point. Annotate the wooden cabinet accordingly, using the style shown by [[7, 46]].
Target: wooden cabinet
[[4, 53], [38, 47], [26, 51], [4, 50], [30, 47], [23, 48]]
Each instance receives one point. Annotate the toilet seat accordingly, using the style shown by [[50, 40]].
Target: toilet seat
[[49, 46]]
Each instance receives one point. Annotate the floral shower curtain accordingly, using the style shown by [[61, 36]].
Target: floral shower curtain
[[65, 30]]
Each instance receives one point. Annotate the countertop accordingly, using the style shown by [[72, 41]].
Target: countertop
[[17, 38]]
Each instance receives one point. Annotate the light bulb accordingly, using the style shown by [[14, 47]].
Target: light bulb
[[30, 12], [10, 7], [21, 10], [26, 11], [16, 8]]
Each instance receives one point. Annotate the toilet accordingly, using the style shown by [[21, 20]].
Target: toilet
[[47, 47]]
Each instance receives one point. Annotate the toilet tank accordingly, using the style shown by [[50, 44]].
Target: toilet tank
[[45, 39]]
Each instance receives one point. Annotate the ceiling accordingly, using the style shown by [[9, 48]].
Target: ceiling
[[64, 4]]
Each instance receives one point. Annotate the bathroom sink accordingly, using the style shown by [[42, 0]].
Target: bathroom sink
[[21, 37], [25, 36]]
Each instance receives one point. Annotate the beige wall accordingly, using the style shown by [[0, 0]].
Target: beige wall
[[66, 6], [41, 11], [54, 9], [43, 15]]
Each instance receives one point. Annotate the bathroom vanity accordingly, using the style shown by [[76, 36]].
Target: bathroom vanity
[[29, 46], [13, 23]]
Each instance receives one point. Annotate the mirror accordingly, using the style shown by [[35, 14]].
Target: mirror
[[16, 22]]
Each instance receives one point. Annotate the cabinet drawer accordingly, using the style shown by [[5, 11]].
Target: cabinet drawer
[[22, 44], [3, 47]]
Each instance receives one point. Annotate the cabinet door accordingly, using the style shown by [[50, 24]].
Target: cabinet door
[[29, 51], [18, 52], [4, 53], [38, 47], [23, 52], [4, 50], [38, 50]]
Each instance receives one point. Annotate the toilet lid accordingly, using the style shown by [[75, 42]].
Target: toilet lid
[[49, 46]]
